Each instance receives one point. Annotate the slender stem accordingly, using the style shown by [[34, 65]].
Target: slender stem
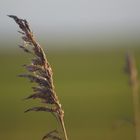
[[136, 110], [63, 127], [135, 93]]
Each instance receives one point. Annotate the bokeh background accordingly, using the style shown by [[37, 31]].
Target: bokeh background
[[85, 42]]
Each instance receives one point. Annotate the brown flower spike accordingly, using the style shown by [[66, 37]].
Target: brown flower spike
[[40, 72]]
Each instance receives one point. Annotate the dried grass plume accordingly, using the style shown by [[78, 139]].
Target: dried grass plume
[[40, 72]]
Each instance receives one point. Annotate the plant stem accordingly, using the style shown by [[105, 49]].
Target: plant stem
[[63, 127], [135, 93], [136, 109]]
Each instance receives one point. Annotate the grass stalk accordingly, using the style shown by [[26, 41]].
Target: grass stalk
[[133, 74], [63, 127], [40, 72]]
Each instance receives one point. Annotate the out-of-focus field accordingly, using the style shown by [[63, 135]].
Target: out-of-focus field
[[91, 85]]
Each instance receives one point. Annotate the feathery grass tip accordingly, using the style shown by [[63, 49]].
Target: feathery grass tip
[[40, 72]]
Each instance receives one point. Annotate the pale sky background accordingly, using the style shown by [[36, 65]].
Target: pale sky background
[[73, 20]]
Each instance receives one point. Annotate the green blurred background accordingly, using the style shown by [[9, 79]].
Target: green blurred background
[[91, 85], [86, 42]]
